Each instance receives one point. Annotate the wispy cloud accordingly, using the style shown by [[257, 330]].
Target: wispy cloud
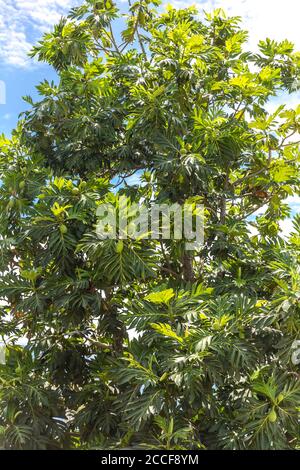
[[21, 24]]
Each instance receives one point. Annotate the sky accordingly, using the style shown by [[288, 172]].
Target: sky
[[22, 23]]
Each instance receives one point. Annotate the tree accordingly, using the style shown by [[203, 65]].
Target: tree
[[143, 343]]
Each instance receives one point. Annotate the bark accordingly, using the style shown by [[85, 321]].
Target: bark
[[187, 262]]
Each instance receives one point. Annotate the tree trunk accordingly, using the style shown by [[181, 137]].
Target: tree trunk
[[187, 262]]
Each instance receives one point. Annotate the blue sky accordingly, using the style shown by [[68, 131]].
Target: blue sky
[[22, 23]]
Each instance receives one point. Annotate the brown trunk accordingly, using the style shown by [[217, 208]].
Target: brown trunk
[[223, 200], [187, 262], [223, 210]]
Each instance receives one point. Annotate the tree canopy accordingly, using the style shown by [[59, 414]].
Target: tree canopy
[[143, 343]]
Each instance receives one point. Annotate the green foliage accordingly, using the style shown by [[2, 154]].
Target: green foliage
[[139, 342]]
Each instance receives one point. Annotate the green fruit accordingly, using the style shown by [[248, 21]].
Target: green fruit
[[10, 204], [216, 325], [75, 190], [119, 246], [241, 334], [63, 229], [164, 377], [280, 397], [272, 416], [22, 185]]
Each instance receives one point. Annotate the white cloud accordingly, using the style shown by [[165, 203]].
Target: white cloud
[[43, 13], [286, 226], [14, 47], [22, 23]]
